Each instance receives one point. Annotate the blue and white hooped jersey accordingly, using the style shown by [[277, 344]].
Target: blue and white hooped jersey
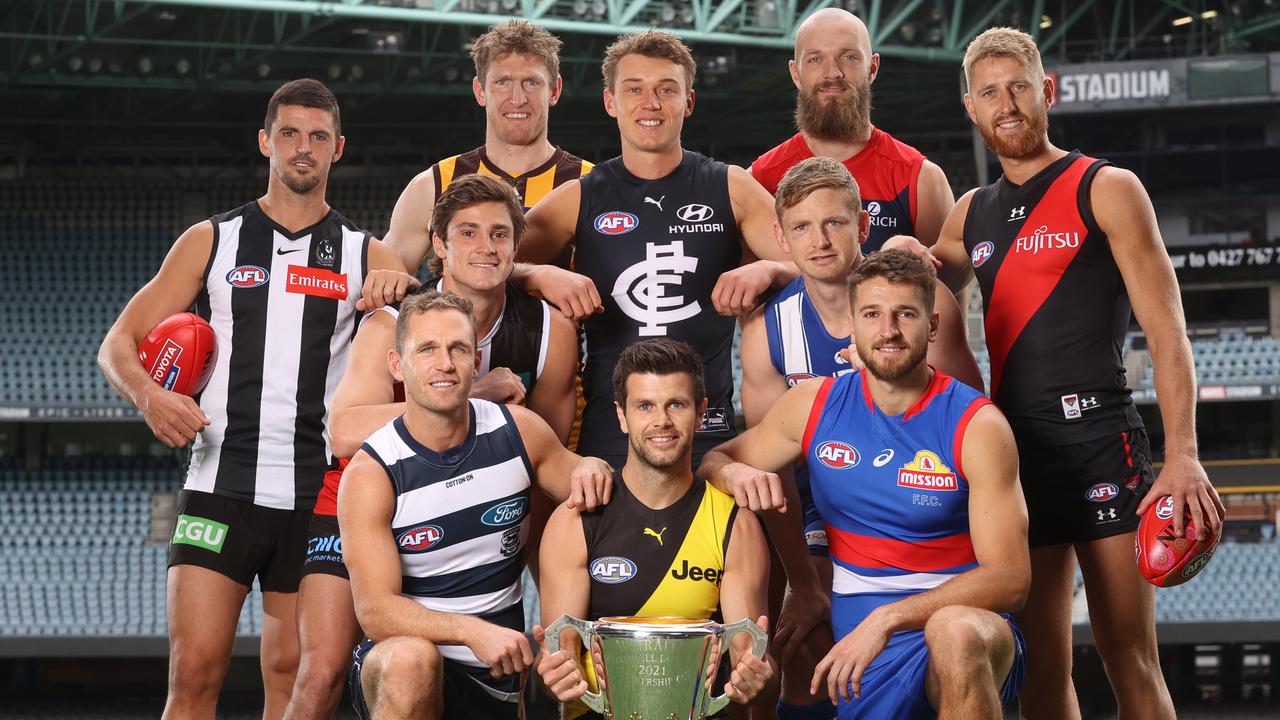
[[461, 518], [799, 345], [891, 490]]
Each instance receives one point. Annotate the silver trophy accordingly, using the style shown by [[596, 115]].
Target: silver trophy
[[655, 668]]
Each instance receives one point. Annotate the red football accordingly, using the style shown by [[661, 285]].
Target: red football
[[179, 353], [1164, 559]]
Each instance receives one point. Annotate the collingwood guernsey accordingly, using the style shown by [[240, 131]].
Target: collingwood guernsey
[[283, 309]]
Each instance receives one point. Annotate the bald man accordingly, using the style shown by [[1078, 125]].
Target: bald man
[[833, 70]]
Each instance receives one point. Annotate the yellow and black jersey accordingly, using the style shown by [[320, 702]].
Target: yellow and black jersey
[[530, 187]]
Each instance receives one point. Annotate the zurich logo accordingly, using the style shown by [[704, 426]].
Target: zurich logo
[[1102, 492], [873, 208], [982, 252], [695, 212], [612, 569], [511, 511]]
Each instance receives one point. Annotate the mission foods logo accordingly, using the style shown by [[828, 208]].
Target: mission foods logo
[[838, 455], [419, 538], [200, 532], [316, 281], [616, 222], [926, 472], [612, 569], [165, 371], [511, 511], [247, 276]]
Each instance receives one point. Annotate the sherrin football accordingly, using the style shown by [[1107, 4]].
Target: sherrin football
[[1164, 559], [179, 353]]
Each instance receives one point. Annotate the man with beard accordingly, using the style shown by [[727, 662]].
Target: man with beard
[[927, 536], [689, 551], [1061, 244], [833, 70], [278, 279]]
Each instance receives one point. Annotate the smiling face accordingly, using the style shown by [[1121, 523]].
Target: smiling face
[[303, 144], [823, 233], [1009, 102], [660, 418], [892, 327], [436, 360], [650, 98], [480, 250], [517, 93]]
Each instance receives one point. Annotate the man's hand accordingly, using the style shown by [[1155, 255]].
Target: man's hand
[[850, 658], [802, 611], [913, 246], [384, 287], [499, 385], [753, 488], [505, 651], [851, 356], [751, 675], [590, 484], [1184, 478], [174, 418], [559, 670], [573, 294], [737, 291]]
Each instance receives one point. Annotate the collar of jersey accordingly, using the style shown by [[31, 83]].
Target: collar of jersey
[[556, 155], [633, 179], [285, 231], [451, 457]]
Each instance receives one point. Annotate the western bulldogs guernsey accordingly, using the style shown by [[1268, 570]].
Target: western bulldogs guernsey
[[655, 250], [461, 518], [282, 307], [1056, 309], [886, 171]]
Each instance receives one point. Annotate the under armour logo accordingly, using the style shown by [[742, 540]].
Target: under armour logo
[[1088, 403], [1018, 213], [657, 202], [641, 290], [1108, 514], [655, 533]]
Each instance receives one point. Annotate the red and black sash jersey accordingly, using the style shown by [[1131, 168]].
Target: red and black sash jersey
[[1056, 309]]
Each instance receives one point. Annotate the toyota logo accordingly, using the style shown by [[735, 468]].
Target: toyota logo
[[694, 212]]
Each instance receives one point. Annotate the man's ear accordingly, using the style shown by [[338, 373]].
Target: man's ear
[[622, 418]]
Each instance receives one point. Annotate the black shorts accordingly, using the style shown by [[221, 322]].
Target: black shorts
[[469, 692], [1084, 491], [324, 548], [240, 540]]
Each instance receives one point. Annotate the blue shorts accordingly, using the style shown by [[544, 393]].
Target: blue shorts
[[893, 688], [815, 531]]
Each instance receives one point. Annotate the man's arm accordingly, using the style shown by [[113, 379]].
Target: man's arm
[[764, 265], [744, 590], [175, 419], [365, 400], [553, 222], [949, 351], [933, 202], [1124, 213], [386, 282], [762, 384], [565, 589], [365, 506], [956, 270], [553, 398], [410, 232], [564, 475]]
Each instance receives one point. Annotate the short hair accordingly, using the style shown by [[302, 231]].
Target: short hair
[[658, 356], [809, 176], [307, 93], [429, 301], [896, 266], [1002, 42], [468, 191], [651, 44], [520, 37]]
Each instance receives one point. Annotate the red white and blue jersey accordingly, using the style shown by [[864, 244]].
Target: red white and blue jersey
[[800, 347], [891, 490]]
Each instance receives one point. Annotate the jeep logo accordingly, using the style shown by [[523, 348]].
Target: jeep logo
[[511, 511]]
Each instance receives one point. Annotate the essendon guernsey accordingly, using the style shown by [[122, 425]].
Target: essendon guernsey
[[1055, 304]]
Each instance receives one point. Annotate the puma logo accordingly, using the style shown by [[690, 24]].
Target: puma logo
[[655, 533], [657, 202]]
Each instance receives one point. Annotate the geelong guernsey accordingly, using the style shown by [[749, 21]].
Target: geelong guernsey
[[461, 518], [282, 308], [655, 250]]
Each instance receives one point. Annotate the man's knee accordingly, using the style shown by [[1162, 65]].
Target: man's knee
[[962, 641], [405, 665], [195, 673], [323, 672]]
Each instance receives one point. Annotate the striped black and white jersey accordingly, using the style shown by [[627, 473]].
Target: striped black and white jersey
[[461, 518], [283, 309]]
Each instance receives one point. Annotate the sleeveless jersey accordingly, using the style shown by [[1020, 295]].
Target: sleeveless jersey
[[518, 341], [461, 518], [655, 250], [887, 172], [283, 309], [891, 490], [1055, 305], [799, 345]]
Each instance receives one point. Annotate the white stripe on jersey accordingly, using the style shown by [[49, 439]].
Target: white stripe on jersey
[[795, 345], [546, 338], [497, 481], [465, 555], [846, 582]]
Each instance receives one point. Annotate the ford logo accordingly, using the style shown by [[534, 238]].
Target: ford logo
[[507, 513]]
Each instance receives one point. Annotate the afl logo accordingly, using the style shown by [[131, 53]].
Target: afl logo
[[1197, 564], [1102, 492], [616, 223], [838, 455], [695, 212], [612, 570], [247, 276], [1164, 508], [794, 379], [419, 538], [982, 252]]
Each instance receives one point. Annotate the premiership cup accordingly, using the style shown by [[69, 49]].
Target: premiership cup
[[654, 668]]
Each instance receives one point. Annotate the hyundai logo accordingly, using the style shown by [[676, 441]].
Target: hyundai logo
[[694, 212]]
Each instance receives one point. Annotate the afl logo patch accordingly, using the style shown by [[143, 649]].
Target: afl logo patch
[[1164, 509], [794, 379], [616, 222], [1102, 492], [982, 252], [419, 538], [838, 455], [247, 276], [612, 569]]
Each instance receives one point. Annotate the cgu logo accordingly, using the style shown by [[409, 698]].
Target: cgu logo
[[612, 569], [247, 276], [419, 538], [1102, 492], [616, 223], [505, 513], [838, 455]]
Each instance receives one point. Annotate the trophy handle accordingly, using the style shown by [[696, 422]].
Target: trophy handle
[[583, 628], [759, 641]]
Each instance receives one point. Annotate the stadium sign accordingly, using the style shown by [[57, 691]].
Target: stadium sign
[[1218, 393], [1226, 262], [1179, 82]]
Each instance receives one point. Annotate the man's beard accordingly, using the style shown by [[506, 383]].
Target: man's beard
[[660, 463], [1025, 144], [887, 372], [299, 185], [838, 119]]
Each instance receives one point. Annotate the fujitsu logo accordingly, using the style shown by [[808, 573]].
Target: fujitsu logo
[[1042, 239]]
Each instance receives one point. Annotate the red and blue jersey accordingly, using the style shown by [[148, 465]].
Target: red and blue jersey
[[891, 490]]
